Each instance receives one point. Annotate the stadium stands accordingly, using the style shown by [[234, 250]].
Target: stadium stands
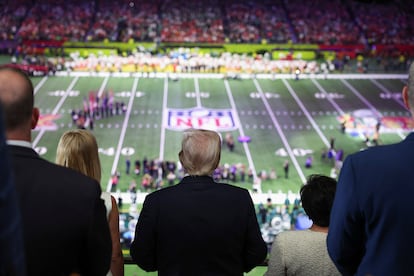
[[323, 22]]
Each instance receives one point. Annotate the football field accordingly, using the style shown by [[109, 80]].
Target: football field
[[273, 119]]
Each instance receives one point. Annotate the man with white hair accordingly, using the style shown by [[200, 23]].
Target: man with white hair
[[198, 227]]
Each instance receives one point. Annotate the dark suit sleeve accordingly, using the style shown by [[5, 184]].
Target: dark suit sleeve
[[143, 248], [255, 247], [12, 259], [345, 240], [99, 244]]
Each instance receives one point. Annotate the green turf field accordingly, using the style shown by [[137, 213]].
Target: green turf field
[[286, 119]]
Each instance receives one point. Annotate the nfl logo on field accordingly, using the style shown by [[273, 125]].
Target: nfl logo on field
[[215, 119]]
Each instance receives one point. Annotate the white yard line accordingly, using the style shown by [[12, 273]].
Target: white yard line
[[367, 103], [334, 104], [237, 121], [123, 131], [164, 118], [103, 85], [56, 110], [280, 131], [40, 84], [386, 91], [197, 91], [307, 114]]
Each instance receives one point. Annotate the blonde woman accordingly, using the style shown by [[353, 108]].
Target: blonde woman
[[78, 149]]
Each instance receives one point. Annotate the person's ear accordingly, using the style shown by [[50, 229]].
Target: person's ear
[[35, 117]]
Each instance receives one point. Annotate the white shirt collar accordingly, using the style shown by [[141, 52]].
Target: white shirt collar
[[19, 143]]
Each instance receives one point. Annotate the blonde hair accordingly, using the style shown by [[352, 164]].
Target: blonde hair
[[200, 151], [78, 149]]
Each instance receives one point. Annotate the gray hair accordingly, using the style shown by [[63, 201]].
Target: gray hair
[[200, 151]]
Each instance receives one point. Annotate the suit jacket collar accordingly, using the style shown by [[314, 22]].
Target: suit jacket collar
[[23, 151], [198, 180]]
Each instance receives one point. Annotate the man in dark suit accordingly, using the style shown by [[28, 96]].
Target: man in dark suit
[[65, 228], [198, 227], [11, 235], [371, 225]]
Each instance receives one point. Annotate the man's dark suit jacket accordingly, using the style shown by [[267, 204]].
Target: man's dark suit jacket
[[371, 226], [64, 220], [198, 227]]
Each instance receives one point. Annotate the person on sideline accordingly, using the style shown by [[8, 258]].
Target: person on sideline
[[303, 252], [64, 219], [371, 220], [198, 226], [12, 260], [78, 149]]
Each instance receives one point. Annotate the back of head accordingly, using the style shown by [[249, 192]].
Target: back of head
[[78, 149], [317, 197], [410, 86], [16, 96], [200, 151]]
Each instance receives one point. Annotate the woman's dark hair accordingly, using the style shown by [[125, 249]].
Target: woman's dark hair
[[317, 197]]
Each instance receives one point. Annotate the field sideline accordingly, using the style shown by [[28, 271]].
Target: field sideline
[[285, 118]]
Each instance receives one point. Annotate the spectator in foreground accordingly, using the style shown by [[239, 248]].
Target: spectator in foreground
[[303, 252], [78, 149], [64, 221], [12, 260], [198, 226], [371, 220]]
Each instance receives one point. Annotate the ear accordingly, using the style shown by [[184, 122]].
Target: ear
[[35, 117]]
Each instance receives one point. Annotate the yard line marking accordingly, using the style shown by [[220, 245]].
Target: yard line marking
[[101, 89], [164, 118], [237, 121], [56, 110], [371, 107], [123, 131], [40, 84], [280, 131], [362, 98], [321, 89], [197, 91], [307, 114], [385, 90]]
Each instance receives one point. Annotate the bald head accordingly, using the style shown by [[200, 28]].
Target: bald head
[[16, 97]]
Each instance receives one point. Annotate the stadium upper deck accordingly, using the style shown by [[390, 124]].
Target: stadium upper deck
[[327, 22]]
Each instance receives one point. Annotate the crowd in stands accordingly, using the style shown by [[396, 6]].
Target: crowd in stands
[[329, 24], [393, 26], [185, 61], [324, 22]]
